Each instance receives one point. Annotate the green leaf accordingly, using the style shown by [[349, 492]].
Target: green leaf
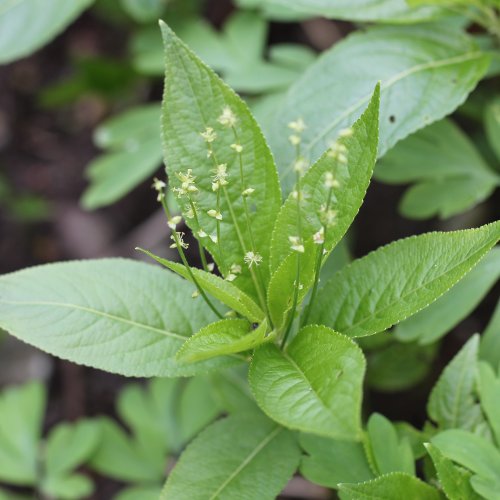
[[231, 458], [353, 178], [451, 403], [70, 445], [113, 314], [194, 99], [471, 451], [490, 340], [329, 461], [313, 386], [38, 21], [398, 366], [21, 419], [388, 451], [132, 141], [197, 407], [492, 125], [433, 322], [489, 393], [142, 492], [282, 285], [68, 487], [164, 416], [487, 487], [144, 11], [227, 336], [437, 65], [390, 487], [231, 390], [450, 175], [396, 11], [121, 457], [219, 288], [396, 281], [454, 480]]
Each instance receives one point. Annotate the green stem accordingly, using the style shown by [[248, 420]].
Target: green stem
[[297, 274], [247, 214], [186, 265], [200, 246], [317, 269]]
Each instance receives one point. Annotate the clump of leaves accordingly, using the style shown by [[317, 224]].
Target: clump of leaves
[[264, 306], [45, 464]]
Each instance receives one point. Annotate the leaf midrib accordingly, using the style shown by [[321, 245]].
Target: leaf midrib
[[96, 312], [247, 460], [412, 291]]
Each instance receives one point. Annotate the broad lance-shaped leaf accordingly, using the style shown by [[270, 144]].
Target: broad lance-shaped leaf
[[396, 11], [489, 393], [313, 386], [475, 453], [195, 99], [431, 323], [388, 452], [223, 337], [219, 288], [113, 314], [394, 282], [449, 173], [242, 456], [338, 182], [452, 403], [454, 480], [38, 21], [437, 65], [391, 486]]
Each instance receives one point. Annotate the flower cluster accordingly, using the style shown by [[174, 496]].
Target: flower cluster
[[188, 186]]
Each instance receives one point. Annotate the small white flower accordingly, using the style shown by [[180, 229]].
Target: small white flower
[[294, 139], [211, 267], [209, 135], [172, 223], [231, 277], [159, 186], [237, 147], [227, 117], [319, 236], [187, 183], [297, 126], [338, 152], [180, 237], [300, 195], [300, 165], [327, 216], [188, 211], [346, 132], [220, 177], [252, 258], [215, 214], [330, 181], [202, 234], [213, 237], [296, 244], [235, 269], [248, 192]]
